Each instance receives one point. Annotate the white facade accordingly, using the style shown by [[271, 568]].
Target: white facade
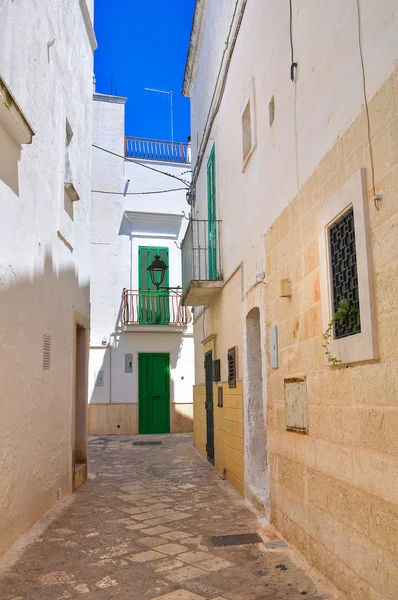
[[123, 220], [46, 67]]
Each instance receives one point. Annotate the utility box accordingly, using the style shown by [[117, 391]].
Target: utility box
[[296, 404], [128, 363]]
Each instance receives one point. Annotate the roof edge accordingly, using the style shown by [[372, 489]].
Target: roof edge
[[194, 42]]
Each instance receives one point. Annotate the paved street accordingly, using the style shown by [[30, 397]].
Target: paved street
[[142, 528]]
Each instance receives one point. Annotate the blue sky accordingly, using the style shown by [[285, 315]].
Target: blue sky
[[144, 43]]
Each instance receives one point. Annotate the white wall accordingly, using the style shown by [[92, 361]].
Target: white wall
[[122, 387], [327, 95], [121, 222], [42, 280]]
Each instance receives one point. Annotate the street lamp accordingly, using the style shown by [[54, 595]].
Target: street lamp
[[171, 107], [157, 270]]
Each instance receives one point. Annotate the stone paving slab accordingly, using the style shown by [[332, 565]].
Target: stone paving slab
[[142, 528]]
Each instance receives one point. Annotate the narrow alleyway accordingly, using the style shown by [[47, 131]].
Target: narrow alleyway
[[142, 529]]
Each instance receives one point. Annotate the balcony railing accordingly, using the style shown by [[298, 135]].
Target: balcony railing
[[201, 258], [154, 308], [160, 150]]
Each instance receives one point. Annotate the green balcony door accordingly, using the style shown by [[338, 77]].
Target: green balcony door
[[212, 216], [154, 393], [153, 305]]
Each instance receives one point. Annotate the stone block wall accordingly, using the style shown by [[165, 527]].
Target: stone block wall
[[228, 430], [334, 491]]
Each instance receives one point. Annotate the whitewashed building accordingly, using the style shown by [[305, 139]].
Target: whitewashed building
[[46, 69], [141, 348]]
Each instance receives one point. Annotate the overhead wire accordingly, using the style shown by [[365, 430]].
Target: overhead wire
[[137, 162], [376, 197]]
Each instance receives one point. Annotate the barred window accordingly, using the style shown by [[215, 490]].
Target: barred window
[[344, 274]]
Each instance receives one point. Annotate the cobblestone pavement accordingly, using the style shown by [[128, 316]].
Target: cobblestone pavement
[[141, 530]]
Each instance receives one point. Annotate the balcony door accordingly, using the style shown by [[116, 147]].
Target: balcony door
[[212, 216], [153, 305]]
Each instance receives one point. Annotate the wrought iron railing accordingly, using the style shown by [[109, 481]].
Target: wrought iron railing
[[154, 308], [201, 252], [161, 150]]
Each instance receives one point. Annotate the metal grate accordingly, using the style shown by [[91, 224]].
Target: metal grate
[[46, 352], [343, 260], [147, 443], [239, 539]]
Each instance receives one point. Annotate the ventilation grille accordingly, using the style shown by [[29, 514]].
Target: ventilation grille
[[343, 259], [46, 352], [232, 367]]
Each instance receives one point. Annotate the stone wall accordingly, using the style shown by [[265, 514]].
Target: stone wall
[[218, 328], [334, 492]]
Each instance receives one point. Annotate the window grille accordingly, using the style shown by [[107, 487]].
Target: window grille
[[343, 261], [232, 367]]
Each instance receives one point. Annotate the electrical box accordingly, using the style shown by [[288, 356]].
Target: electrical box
[[99, 378], [273, 344], [128, 363]]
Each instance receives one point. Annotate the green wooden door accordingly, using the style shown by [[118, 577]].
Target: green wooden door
[[212, 216], [154, 393], [153, 306]]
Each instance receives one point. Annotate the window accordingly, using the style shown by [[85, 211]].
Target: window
[[68, 177], [246, 132], [346, 271], [248, 118], [231, 357], [212, 216]]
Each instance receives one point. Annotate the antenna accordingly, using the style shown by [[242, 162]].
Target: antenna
[[170, 93]]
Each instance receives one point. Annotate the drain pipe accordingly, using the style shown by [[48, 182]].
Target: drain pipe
[[209, 126]]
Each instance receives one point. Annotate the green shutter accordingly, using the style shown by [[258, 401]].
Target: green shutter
[[154, 393], [154, 307], [212, 216]]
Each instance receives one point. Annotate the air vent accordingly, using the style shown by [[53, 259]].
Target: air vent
[[232, 367], [46, 352]]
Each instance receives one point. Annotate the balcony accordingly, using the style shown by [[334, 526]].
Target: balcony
[[201, 263], [154, 308], [158, 150]]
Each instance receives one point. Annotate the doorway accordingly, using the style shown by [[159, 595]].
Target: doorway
[[255, 432], [153, 393], [209, 406], [79, 459]]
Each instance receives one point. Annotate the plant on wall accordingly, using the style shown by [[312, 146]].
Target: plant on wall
[[344, 310]]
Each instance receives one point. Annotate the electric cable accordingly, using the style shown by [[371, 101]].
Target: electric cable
[[211, 117], [376, 197], [293, 65], [184, 181], [139, 193]]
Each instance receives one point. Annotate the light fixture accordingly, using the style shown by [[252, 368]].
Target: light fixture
[[157, 270], [104, 341]]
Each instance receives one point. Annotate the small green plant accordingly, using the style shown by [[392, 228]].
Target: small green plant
[[344, 309]]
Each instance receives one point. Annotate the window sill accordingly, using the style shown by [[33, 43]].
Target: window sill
[[248, 157], [71, 191], [12, 117]]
